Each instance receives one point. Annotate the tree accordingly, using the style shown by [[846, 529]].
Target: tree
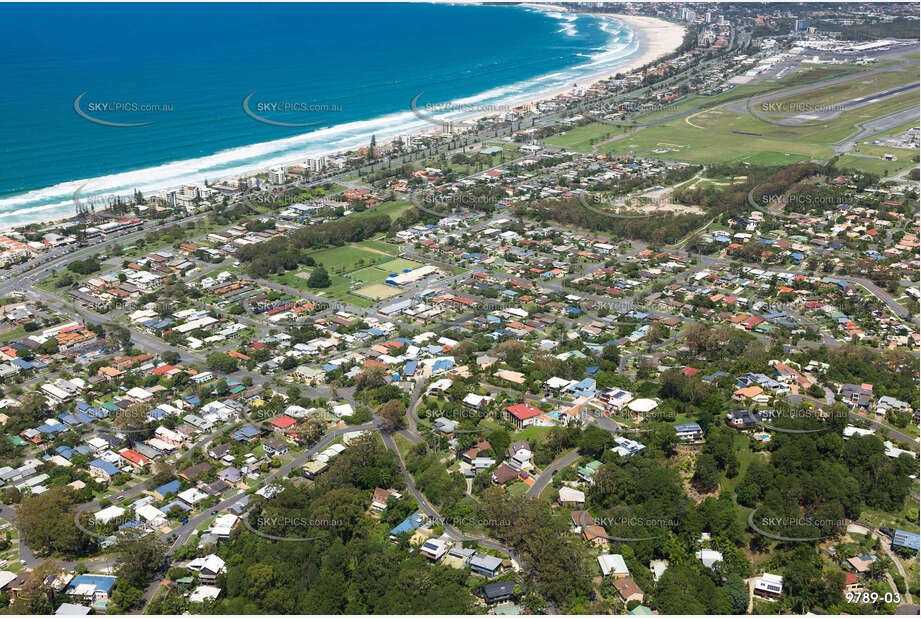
[[132, 418], [594, 441], [511, 351], [32, 598], [369, 378], [706, 473], [500, 441], [611, 353], [47, 523], [221, 361], [393, 415], [737, 592], [319, 278], [50, 346], [139, 558], [170, 357], [119, 335], [311, 429]]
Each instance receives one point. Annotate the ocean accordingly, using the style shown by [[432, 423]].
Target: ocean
[[323, 77]]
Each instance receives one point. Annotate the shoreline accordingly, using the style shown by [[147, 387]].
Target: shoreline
[[655, 38]]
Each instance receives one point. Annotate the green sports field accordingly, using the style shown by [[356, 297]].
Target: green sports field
[[371, 274], [398, 265], [348, 258], [378, 245]]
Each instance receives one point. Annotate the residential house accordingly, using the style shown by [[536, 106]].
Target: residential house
[[102, 471], [274, 447], [613, 565], [596, 535], [208, 568], [628, 590], [689, 432], [497, 592], [380, 497], [91, 588], [571, 497], [488, 566], [521, 415], [768, 586], [434, 549]]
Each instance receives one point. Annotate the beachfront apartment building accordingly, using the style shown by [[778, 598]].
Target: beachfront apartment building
[[316, 164], [277, 175]]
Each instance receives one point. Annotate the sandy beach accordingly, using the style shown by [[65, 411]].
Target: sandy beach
[[660, 37], [656, 38]]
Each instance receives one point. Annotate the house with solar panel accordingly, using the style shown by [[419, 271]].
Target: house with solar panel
[[434, 549], [905, 542], [768, 587], [689, 432]]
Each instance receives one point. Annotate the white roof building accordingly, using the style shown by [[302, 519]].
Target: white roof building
[[568, 494], [204, 593], [613, 564], [192, 495], [769, 585], [151, 514], [109, 513], [343, 410], [223, 525], [139, 393], [434, 549], [642, 406], [556, 383], [709, 557], [475, 400]]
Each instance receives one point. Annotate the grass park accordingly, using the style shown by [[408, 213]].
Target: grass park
[[357, 272]]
